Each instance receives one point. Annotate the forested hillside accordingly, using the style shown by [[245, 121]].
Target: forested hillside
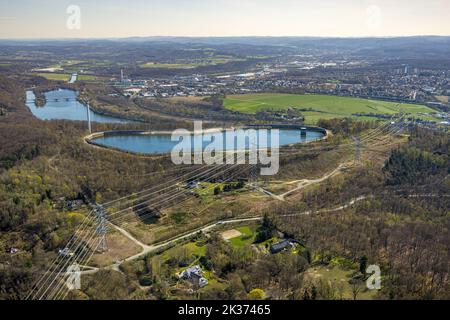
[[43, 166], [403, 225]]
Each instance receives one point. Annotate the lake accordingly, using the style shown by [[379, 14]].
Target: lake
[[162, 143], [62, 104]]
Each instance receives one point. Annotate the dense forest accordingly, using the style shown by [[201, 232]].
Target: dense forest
[[403, 224]]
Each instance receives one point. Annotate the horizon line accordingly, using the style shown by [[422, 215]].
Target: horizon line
[[227, 36]]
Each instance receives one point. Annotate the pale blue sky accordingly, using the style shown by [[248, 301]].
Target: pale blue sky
[[119, 18]]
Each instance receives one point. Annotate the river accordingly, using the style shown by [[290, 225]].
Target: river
[[62, 104]]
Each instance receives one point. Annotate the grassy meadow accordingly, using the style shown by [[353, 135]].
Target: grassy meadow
[[55, 76], [315, 106]]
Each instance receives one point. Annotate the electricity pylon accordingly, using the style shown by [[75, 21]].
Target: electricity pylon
[[253, 152], [254, 176], [358, 147], [101, 228]]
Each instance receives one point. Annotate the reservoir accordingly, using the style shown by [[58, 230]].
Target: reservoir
[[159, 143], [62, 104]]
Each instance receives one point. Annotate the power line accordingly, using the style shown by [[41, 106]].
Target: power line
[[101, 227], [101, 222]]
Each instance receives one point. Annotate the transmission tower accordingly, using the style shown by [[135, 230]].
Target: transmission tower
[[358, 147], [400, 124], [101, 228], [254, 176], [254, 166]]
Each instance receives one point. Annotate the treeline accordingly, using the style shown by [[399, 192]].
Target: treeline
[[412, 166], [425, 159], [205, 109], [346, 126], [18, 140]]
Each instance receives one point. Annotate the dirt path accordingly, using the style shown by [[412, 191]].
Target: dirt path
[[301, 184], [50, 163], [307, 182], [146, 249]]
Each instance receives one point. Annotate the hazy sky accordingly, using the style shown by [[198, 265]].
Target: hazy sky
[[120, 18]]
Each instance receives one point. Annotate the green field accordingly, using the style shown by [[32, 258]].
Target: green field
[[55, 76], [88, 77], [319, 106], [247, 236], [339, 277], [215, 60], [167, 65], [66, 77], [192, 248]]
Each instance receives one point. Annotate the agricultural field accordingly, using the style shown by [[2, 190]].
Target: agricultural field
[[155, 65], [210, 61], [55, 76], [443, 99], [315, 107], [89, 77], [66, 76]]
